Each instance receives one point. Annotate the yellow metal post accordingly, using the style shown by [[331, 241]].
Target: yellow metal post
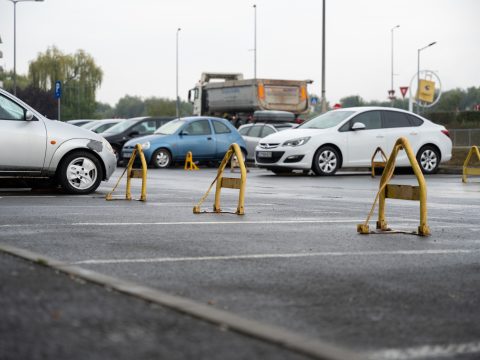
[[378, 163], [189, 164], [404, 192], [133, 173], [470, 170], [231, 183]]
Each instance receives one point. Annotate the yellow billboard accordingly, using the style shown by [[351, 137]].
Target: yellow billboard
[[426, 91]]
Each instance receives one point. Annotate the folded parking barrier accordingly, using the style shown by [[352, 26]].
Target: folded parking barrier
[[470, 170], [402, 192], [189, 164], [230, 183], [133, 173], [378, 163]]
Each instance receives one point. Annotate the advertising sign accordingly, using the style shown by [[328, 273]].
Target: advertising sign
[[426, 91]]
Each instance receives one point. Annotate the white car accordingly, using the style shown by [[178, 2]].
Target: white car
[[252, 133], [34, 147], [349, 137]]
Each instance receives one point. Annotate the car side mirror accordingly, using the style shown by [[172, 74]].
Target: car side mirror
[[29, 115], [184, 132], [358, 126]]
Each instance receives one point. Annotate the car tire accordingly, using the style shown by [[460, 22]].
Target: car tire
[[326, 161], [428, 157], [162, 159], [80, 172]]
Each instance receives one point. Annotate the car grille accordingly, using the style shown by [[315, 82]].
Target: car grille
[[268, 145], [276, 155]]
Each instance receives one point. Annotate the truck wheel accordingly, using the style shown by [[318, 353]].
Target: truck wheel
[[326, 161], [162, 159], [80, 172]]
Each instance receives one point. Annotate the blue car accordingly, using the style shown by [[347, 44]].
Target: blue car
[[208, 139]]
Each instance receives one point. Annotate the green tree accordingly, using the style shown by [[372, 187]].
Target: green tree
[[352, 101], [130, 106], [80, 77]]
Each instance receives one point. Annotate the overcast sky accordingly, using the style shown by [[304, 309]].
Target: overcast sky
[[133, 41]]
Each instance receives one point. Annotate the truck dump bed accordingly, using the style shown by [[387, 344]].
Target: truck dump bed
[[256, 94]]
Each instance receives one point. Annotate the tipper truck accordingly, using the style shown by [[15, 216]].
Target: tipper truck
[[236, 99]]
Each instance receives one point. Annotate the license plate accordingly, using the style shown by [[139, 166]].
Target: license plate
[[265, 154]]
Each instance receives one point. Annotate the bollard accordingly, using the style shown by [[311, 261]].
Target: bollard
[[470, 170], [189, 164], [378, 163]]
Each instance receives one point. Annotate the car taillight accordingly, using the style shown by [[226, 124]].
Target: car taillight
[[446, 133]]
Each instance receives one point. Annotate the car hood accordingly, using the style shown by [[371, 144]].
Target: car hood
[[61, 130], [292, 134], [151, 138]]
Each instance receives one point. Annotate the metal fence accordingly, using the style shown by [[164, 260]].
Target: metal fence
[[465, 137]]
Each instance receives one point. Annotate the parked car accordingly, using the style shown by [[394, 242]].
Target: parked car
[[349, 137], [32, 146], [79, 122], [252, 133], [208, 138], [99, 126], [128, 129]]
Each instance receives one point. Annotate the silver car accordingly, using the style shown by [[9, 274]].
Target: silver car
[[32, 146]]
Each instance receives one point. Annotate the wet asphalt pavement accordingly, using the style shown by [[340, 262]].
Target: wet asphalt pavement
[[294, 260]]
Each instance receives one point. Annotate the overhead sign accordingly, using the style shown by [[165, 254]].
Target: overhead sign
[[58, 89], [426, 91], [403, 90]]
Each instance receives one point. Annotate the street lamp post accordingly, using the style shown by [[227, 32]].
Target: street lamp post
[[418, 72], [255, 42], [392, 89], [177, 98], [14, 2], [324, 100]]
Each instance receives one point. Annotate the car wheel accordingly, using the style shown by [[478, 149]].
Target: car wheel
[[80, 172], [428, 158], [326, 161], [161, 159]]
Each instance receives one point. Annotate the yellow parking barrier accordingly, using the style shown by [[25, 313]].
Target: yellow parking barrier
[[402, 192], [230, 183], [189, 164], [470, 170], [378, 163], [133, 173]]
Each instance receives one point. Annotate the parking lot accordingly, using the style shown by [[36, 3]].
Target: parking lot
[[294, 262]]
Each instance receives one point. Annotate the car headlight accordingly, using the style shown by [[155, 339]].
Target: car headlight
[[297, 142], [146, 145]]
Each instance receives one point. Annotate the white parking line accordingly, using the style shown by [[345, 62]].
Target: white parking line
[[278, 256], [250, 222], [427, 352]]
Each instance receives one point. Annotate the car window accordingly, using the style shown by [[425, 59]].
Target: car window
[[103, 127], [244, 130], [393, 119], [256, 130], [145, 127], [371, 119], [220, 128], [267, 130], [10, 110], [415, 121], [199, 127]]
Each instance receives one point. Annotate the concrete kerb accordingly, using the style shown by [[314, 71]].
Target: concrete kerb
[[314, 348]]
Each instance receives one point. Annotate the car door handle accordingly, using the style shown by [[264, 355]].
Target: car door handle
[[209, 138]]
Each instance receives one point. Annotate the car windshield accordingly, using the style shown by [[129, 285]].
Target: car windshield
[[90, 125], [170, 127], [120, 127], [327, 120]]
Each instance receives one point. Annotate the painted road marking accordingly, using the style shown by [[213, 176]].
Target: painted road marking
[[277, 256], [427, 352]]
